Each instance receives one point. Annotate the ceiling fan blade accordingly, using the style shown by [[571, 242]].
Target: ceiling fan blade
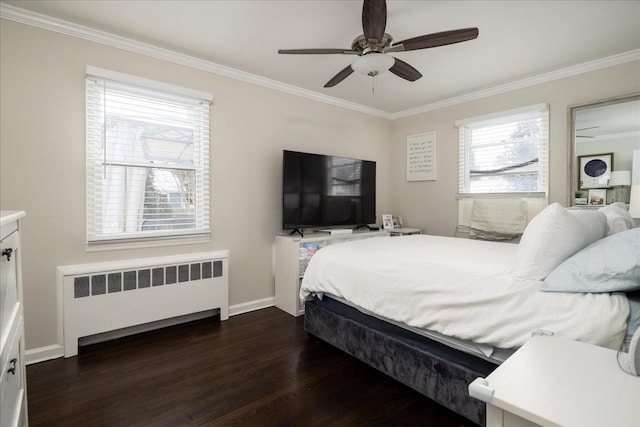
[[317, 51], [346, 72], [434, 40], [405, 71], [374, 21]]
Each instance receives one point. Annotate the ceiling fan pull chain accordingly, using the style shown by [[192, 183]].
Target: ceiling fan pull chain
[[373, 85]]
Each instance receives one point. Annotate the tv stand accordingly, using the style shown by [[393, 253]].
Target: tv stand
[[292, 255], [297, 230]]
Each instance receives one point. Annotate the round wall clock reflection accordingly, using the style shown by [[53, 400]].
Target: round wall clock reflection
[[595, 168]]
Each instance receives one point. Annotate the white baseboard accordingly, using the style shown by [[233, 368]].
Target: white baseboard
[[49, 352], [37, 355], [246, 307]]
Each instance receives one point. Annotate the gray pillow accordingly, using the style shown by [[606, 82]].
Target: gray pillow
[[608, 265], [618, 218]]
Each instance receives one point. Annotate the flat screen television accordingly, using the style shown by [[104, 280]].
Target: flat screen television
[[327, 191]]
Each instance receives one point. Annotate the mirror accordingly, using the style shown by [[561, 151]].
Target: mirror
[[602, 138]]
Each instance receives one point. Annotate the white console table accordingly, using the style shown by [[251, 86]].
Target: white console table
[[292, 255], [405, 231], [551, 381]]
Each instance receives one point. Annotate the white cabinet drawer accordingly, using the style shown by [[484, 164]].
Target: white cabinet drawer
[[9, 292], [12, 386]]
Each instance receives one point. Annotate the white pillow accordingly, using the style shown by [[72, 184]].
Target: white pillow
[[554, 235], [618, 218]]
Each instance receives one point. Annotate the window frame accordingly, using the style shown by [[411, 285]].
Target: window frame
[[466, 126], [96, 237]]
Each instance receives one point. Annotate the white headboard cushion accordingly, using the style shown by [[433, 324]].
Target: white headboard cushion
[[534, 207]]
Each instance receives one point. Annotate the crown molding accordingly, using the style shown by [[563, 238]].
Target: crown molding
[[622, 58], [45, 22]]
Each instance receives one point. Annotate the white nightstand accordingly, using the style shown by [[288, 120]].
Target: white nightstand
[[552, 381], [404, 231]]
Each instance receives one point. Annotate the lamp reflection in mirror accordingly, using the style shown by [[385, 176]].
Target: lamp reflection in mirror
[[634, 203], [620, 182]]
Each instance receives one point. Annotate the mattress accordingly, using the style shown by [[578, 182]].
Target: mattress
[[459, 288], [483, 351]]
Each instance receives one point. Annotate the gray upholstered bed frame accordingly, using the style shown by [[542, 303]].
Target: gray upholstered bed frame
[[431, 368]]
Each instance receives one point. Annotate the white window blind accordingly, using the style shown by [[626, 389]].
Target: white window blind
[[345, 176], [505, 153], [147, 161]]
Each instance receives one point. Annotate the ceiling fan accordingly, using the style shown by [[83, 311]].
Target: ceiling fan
[[374, 45], [585, 136]]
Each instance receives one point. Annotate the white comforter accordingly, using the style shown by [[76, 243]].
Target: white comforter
[[460, 288]]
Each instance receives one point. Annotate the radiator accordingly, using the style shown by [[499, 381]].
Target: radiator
[[110, 296]]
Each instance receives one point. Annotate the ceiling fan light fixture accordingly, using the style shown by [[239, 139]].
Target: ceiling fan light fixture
[[373, 64]]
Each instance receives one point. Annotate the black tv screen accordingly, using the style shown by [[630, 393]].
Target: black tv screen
[[327, 191]]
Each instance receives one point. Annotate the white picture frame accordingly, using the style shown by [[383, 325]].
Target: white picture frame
[[421, 157], [387, 221], [598, 197], [594, 170]]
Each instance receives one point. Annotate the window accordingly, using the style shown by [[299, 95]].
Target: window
[[505, 153], [344, 177], [147, 159]]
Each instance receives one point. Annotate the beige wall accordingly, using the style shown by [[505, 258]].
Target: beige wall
[[42, 156], [432, 204], [43, 165]]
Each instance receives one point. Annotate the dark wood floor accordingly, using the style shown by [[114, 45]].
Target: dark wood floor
[[256, 369]]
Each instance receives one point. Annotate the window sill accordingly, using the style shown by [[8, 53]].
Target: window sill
[[531, 195], [153, 242]]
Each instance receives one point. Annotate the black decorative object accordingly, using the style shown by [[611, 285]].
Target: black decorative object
[[595, 168]]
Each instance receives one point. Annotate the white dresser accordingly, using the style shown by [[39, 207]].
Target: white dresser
[[13, 382], [292, 255]]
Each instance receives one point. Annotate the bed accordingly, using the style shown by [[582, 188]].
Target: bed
[[437, 312]]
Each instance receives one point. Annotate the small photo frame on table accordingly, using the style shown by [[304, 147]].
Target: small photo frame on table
[[397, 222], [597, 197], [594, 170], [387, 221]]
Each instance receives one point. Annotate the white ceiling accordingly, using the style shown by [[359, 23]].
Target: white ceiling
[[518, 39], [608, 121]]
